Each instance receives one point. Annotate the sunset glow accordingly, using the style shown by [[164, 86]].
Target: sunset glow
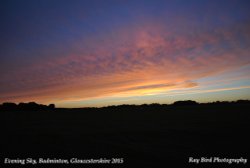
[[99, 53]]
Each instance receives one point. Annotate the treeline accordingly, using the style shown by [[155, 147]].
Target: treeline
[[184, 103], [31, 106]]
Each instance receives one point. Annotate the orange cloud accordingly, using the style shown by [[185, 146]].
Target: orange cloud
[[145, 59]]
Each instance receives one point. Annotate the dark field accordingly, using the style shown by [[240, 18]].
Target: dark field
[[142, 136]]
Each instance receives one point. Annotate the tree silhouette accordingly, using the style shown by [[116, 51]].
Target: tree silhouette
[[51, 106], [31, 106], [185, 103]]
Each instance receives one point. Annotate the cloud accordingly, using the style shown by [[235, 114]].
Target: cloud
[[134, 60], [199, 91], [149, 87]]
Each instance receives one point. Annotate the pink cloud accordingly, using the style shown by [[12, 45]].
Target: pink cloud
[[144, 57]]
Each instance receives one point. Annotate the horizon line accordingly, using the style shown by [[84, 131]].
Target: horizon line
[[208, 102]]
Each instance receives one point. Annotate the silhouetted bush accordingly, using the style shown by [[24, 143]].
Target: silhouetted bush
[[184, 103], [51, 106], [243, 102], [31, 106], [9, 106]]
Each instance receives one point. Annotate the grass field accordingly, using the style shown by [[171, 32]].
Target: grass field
[[142, 136]]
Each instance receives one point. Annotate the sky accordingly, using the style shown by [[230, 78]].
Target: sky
[[92, 53]]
